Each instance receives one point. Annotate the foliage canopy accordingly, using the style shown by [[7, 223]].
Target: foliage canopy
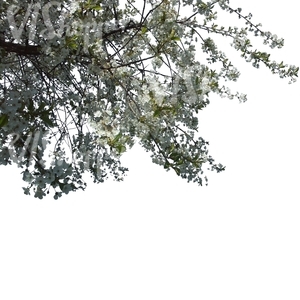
[[83, 81]]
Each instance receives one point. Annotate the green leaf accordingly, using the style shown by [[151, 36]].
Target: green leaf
[[31, 106], [175, 156], [163, 18], [72, 42], [144, 30], [97, 7], [175, 38], [117, 138], [177, 170], [157, 112], [3, 120], [47, 121], [121, 148], [167, 165]]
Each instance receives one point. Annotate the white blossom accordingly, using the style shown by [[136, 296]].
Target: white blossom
[[93, 79]]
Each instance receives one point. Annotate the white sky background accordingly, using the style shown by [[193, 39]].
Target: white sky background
[[155, 236]]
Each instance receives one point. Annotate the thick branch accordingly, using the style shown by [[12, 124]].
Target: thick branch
[[20, 49]]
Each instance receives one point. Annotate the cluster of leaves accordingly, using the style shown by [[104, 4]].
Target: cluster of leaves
[[82, 81]]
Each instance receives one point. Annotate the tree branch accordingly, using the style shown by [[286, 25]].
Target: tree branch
[[20, 49]]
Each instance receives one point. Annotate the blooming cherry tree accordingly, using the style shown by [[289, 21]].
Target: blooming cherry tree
[[83, 81]]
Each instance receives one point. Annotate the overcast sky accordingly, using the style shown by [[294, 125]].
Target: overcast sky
[[154, 236]]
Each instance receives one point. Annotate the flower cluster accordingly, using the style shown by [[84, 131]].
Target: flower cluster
[[98, 76]]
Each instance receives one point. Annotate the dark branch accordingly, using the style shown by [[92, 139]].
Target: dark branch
[[20, 49]]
